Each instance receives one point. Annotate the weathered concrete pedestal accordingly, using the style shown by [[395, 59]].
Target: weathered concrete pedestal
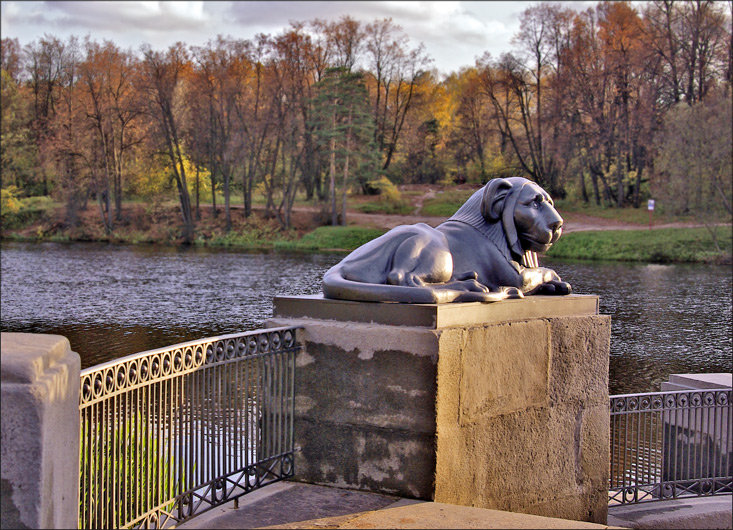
[[40, 432], [501, 406]]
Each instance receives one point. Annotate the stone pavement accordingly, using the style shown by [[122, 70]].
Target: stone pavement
[[694, 512], [298, 505]]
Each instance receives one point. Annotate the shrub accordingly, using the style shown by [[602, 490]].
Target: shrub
[[17, 212], [384, 187]]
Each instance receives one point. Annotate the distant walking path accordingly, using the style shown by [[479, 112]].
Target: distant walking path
[[574, 222]]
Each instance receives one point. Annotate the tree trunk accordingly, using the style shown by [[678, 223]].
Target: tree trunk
[[198, 179], [212, 178], [227, 211], [346, 173], [332, 172], [637, 185], [619, 179], [583, 189]]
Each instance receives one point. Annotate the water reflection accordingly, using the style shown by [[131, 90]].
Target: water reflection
[[112, 300], [665, 318]]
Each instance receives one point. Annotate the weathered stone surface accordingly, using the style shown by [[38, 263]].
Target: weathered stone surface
[[522, 414], [372, 379], [580, 352], [504, 369], [509, 414], [40, 431], [365, 406], [391, 461]]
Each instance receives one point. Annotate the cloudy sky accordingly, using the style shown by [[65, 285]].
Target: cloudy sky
[[454, 33]]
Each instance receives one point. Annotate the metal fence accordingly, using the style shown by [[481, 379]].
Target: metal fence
[[666, 445], [169, 433]]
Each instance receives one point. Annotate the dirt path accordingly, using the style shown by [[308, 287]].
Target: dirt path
[[421, 200], [574, 222]]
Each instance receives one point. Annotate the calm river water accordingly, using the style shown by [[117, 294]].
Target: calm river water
[[112, 300]]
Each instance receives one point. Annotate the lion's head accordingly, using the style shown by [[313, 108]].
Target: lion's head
[[527, 213]]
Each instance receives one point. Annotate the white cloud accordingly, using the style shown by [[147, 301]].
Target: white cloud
[[454, 33]]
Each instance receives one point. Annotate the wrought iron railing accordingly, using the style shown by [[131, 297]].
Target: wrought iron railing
[[666, 445], [169, 433]]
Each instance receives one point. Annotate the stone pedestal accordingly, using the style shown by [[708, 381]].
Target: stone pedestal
[[40, 432], [500, 405]]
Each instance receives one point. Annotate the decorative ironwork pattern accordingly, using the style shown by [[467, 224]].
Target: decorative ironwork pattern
[[666, 445], [169, 433]]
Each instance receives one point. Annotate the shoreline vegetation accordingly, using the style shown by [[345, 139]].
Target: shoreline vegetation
[[592, 235], [259, 143]]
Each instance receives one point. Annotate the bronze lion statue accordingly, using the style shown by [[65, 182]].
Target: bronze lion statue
[[486, 252]]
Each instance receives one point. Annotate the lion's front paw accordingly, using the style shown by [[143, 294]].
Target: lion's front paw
[[555, 287]]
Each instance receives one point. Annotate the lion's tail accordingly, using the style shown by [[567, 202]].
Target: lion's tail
[[336, 286]]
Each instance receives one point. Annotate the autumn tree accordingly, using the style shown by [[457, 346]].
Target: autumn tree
[[693, 161], [221, 75], [394, 70], [65, 139], [44, 64], [345, 38], [18, 151], [112, 106], [702, 45], [472, 126], [254, 118], [161, 74], [287, 95]]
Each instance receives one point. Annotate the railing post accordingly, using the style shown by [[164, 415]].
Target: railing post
[[40, 432]]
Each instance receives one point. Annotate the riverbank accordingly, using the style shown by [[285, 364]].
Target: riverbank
[[663, 245], [586, 237]]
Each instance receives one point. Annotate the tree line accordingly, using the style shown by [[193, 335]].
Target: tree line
[[589, 104]]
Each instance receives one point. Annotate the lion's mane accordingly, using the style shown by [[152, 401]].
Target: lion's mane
[[497, 224]]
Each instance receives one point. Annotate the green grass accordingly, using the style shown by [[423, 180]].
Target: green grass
[[656, 246], [264, 237], [385, 207], [332, 238], [627, 214], [129, 453], [445, 203]]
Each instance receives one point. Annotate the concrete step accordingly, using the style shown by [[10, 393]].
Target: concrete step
[[298, 505]]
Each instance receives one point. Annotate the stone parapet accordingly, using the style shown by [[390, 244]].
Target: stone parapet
[[40, 431], [501, 406]]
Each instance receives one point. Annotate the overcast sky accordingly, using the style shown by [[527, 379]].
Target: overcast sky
[[454, 33]]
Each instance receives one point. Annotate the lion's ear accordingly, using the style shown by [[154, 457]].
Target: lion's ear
[[495, 192]]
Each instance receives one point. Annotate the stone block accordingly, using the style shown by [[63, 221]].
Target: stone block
[[580, 352], [504, 369], [390, 461], [40, 432], [365, 406]]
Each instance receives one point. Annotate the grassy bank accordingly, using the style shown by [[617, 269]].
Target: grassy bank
[[341, 238], [324, 238], [39, 219], [667, 245]]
